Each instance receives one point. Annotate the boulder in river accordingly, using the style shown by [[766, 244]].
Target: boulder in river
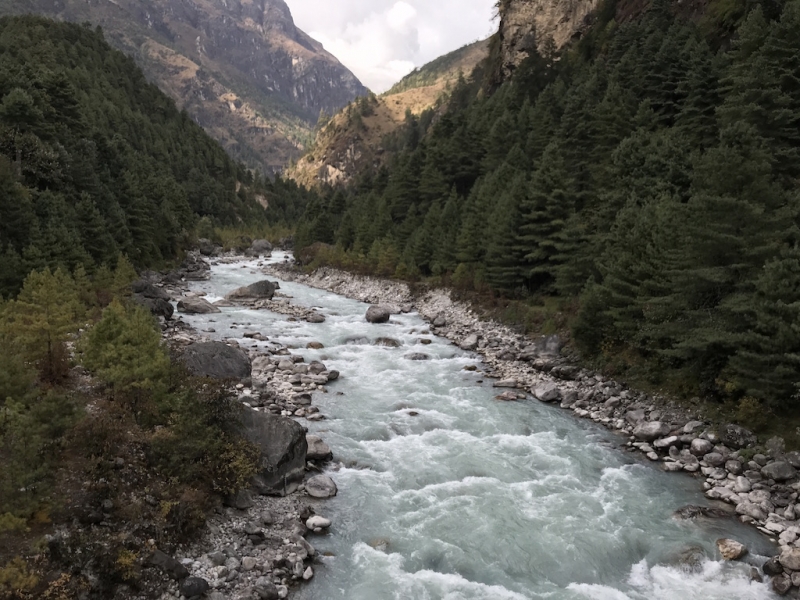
[[731, 549], [321, 486], [378, 314], [315, 318], [692, 511], [417, 356], [217, 360], [197, 306], [317, 448], [261, 290], [651, 431], [283, 447]]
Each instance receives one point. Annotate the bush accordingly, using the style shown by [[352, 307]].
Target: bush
[[16, 578]]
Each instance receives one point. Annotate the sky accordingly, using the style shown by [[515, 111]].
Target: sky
[[381, 41]]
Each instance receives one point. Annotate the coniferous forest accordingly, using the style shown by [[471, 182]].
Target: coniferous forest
[[646, 179], [95, 162]]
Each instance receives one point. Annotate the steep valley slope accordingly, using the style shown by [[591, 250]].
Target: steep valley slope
[[240, 68]]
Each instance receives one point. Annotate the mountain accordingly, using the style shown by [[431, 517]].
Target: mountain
[[363, 135], [240, 68], [95, 162]]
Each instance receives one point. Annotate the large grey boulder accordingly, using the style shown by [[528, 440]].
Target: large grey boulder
[[321, 486], [378, 314], [217, 360], [790, 558], [283, 447], [168, 564], [651, 431], [262, 290], [735, 436], [470, 344], [260, 248], [547, 392], [317, 448], [196, 306], [194, 586], [731, 549], [779, 471]]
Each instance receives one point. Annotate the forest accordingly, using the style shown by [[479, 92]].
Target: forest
[[96, 162], [644, 181]]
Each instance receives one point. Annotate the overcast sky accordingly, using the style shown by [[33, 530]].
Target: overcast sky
[[383, 40]]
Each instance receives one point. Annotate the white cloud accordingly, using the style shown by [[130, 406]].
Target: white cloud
[[383, 40]]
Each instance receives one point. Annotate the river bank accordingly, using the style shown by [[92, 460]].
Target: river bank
[[760, 488]]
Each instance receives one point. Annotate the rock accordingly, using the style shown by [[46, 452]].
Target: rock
[[544, 347], [217, 360], [752, 510], [196, 306], [781, 584], [388, 342], [308, 573], [693, 512], [249, 563], [691, 559], [317, 522], [317, 449], [206, 247], [157, 306], [378, 314], [790, 558], [737, 437], [321, 486], [779, 471], [507, 397], [651, 431], [440, 321], [772, 567], [692, 426], [470, 343], [260, 248], [283, 446], [148, 290], [241, 500], [314, 346], [635, 417], [266, 590], [734, 467], [261, 290], [417, 356], [714, 459], [333, 375], [547, 392], [217, 558], [315, 317], [731, 549], [793, 458], [193, 268], [194, 586], [506, 383], [168, 564], [701, 447]]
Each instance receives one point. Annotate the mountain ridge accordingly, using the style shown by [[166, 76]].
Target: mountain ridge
[[242, 69]]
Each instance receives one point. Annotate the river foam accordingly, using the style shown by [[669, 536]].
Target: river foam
[[446, 493]]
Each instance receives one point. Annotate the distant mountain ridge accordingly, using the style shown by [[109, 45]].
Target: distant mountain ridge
[[241, 68], [361, 136]]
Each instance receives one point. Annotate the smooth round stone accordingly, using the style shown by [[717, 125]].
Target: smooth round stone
[[321, 486]]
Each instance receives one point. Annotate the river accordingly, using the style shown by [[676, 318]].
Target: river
[[447, 494]]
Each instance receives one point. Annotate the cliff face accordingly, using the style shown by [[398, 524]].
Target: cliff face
[[526, 24], [241, 68]]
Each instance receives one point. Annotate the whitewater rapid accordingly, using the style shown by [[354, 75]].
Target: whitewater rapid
[[447, 494]]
